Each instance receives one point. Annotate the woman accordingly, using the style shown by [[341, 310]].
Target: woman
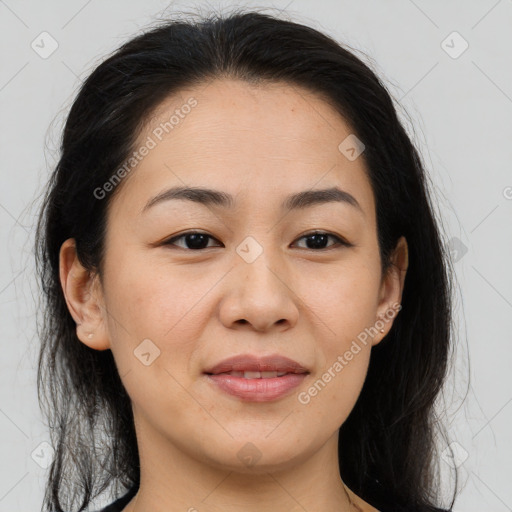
[[248, 302]]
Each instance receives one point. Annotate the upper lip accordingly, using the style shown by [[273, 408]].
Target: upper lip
[[253, 363]]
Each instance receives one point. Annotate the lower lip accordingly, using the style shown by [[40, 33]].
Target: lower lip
[[257, 390]]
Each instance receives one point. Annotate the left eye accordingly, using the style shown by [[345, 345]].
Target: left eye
[[318, 238], [196, 240]]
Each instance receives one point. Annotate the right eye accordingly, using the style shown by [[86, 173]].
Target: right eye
[[193, 240]]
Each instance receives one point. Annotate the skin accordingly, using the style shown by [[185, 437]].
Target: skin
[[258, 143]]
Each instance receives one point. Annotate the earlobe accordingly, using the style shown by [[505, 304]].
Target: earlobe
[[83, 298]]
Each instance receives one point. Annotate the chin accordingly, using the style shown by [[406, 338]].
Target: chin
[[257, 454]]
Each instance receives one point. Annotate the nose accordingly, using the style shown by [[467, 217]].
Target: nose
[[259, 296]]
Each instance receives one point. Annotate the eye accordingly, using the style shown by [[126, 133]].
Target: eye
[[196, 240], [318, 239]]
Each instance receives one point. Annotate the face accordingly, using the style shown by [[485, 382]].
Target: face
[[188, 284]]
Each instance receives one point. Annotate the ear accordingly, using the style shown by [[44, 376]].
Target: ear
[[84, 298], [391, 290]]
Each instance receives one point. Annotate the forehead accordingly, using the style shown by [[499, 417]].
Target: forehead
[[275, 116], [254, 140]]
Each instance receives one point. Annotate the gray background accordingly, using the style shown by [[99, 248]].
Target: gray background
[[459, 115]]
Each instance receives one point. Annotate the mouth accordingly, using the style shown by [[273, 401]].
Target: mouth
[[256, 367], [257, 379], [254, 375]]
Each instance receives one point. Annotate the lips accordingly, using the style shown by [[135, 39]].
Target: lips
[[254, 367], [257, 379]]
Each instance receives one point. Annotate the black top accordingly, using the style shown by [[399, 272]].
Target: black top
[[120, 503]]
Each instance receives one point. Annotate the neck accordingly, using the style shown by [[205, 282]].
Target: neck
[[173, 480]]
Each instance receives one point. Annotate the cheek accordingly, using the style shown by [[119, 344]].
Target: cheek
[[154, 326], [334, 388], [345, 308], [150, 303], [345, 301], [157, 301], [330, 395]]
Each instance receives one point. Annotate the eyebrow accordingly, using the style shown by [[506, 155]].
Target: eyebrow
[[296, 201]]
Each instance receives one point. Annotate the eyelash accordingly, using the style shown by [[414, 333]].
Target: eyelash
[[341, 241]]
